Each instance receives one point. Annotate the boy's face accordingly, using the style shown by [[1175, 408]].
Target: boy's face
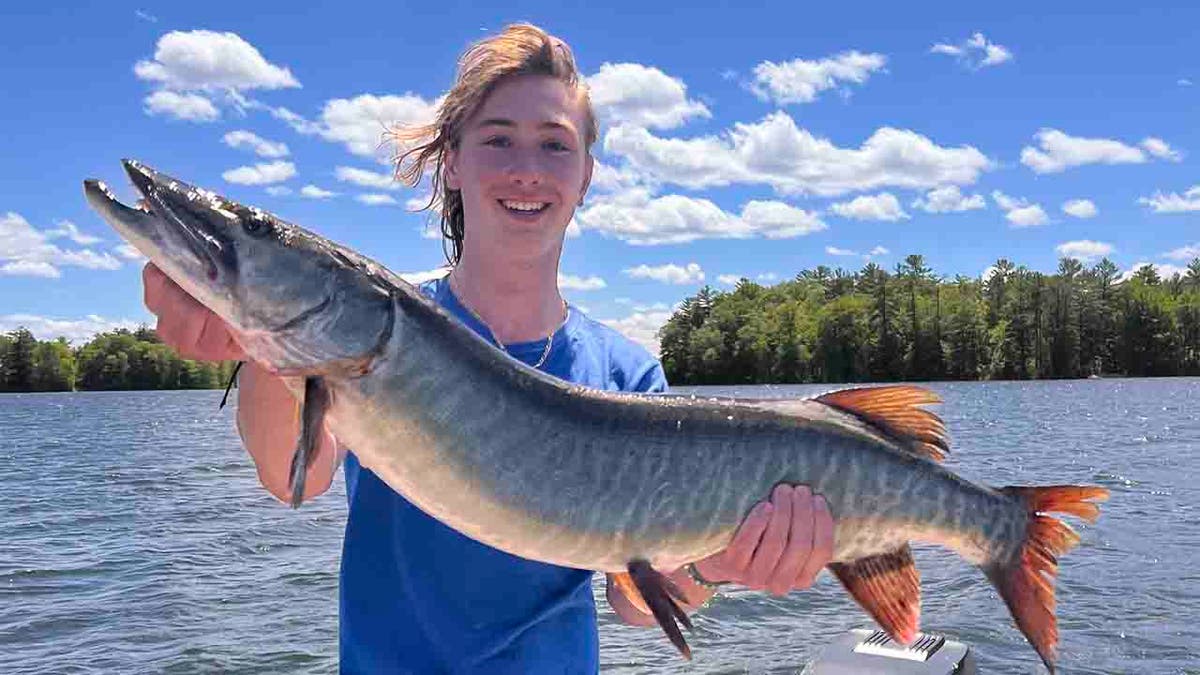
[[521, 165]]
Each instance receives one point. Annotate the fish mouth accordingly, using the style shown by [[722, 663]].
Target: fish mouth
[[177, 225]]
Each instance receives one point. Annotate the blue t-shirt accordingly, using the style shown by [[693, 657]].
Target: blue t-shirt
[[418, 597]]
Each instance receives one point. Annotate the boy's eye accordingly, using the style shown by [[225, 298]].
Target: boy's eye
[[497, 141], [557, 146]]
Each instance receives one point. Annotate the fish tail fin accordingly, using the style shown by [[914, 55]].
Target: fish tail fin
[[1026, 583], [663, 598]]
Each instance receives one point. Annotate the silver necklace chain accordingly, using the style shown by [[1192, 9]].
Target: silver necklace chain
[[549, 338]]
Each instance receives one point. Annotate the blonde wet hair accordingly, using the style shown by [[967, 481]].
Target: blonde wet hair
[[520, 49]]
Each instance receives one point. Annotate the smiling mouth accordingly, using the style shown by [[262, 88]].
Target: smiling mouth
[[523, 207]]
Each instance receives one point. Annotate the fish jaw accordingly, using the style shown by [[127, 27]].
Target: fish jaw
[[294, 303], [179, 252]]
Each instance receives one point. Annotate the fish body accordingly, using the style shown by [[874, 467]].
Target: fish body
[[550, 471]]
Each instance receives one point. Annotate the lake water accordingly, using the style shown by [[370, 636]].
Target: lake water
[[134, 537]]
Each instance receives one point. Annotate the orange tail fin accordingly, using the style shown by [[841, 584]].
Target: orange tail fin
[[1027, 582]]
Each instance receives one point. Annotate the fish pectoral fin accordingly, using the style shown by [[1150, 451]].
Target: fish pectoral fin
[[893, 410], [624, 583], [662, 597], [888, 587], [312, 420]]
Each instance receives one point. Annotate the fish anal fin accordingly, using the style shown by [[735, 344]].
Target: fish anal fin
[[1027, 583], [888, 587], [662, 597], [893, 410]]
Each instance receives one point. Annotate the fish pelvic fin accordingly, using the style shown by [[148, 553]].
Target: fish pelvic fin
[[663, 599], [888, 587], [1027, 583], [312, 419], [893, 410]]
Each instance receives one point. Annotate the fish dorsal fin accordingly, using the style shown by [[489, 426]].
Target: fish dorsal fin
[[888, 587], [893, 410]]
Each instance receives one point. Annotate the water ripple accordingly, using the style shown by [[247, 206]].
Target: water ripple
[[134, 537]]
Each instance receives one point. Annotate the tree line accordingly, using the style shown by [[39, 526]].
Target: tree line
[[913, 324], [115, 360]]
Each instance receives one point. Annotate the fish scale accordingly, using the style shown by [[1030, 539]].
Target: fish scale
[[613, 482]]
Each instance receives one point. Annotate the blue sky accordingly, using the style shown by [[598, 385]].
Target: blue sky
[[752, 142]]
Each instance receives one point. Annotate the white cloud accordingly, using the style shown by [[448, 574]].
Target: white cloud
[[260, 174], [777, 220], [278, 190], [607, 178], [74, 330], [1059, 152], [422, 277], [641, 327], [1080, 208], [883, 206], [29, 268], [656, 307], [371, 179], [69, 230], [209, 61], [419, 203], [637, 218], [976, 52], [1165, 271], [360, 123], [1183, 82], [1159, 148], [144, 16], [1027, 216], [668, 274], [128, 252], [799, 81], [729, 279], [948, 199], [767, 277], [776, 152], [260, 146], [186, 107], [27, 251], [314, 192], [876, 251], [1019, 212], [573, 283], [1184, 253], [1084, 250], [376, 199], [1174, 202], [630, 93]]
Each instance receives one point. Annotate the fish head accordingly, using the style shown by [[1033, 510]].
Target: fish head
[[297, 303]]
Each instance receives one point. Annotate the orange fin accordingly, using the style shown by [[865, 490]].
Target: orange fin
[[893, 410], [1027, 582], [662, 597], [889, 588], [624, 583]]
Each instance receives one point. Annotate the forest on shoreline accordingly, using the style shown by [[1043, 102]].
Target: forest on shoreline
[[912, 324], [116, 360], [824, 325]]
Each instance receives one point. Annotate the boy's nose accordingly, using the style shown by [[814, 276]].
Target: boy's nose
[[525, 170]]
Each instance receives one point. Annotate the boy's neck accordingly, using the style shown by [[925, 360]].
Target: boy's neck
[[518, 300]]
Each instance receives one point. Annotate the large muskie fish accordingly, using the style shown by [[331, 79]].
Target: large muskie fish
[[621, 483]]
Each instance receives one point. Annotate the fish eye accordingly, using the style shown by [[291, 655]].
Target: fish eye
[[256, 226]]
